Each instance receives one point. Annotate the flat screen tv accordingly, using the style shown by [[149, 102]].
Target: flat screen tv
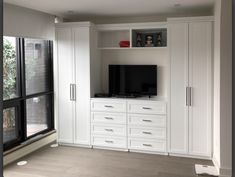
[[132, 80]]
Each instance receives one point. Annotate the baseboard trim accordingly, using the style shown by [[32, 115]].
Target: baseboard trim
[[223, 172], [148, 152], [27, 149], [110, 148], [75, 145], [190, 156]]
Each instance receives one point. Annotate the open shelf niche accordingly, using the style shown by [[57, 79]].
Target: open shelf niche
[[140, 36], [110, 39]]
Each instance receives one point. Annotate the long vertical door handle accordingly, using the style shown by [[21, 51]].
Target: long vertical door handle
[[74, 92], [187, 96], [71, 92], [191, 96]]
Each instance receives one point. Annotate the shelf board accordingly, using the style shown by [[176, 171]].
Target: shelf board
[[114, 48], [147, 48], [132, 48]]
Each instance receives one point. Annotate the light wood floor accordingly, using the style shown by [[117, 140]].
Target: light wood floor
[[80, 162]]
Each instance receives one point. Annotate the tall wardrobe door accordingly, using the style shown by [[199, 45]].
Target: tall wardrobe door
[[82, 63], [178, 35], [200, 78], [65, 78]]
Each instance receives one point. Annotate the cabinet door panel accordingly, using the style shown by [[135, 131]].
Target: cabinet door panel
[[82, 63], [200, 77], [179, 81], [65, 78]]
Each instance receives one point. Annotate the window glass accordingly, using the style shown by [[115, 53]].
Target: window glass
[[27, 89], [10, 77], [38, 113], [9, 125], [37, 66]]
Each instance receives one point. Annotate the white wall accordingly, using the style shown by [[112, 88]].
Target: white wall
[[226, 85], [23, 22], [223, 87], [216, 122], [139, 57], [136, 19]]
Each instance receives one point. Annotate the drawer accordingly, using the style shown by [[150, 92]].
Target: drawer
[[147, 107], [156, 133], [115, 142], [113, 118], [147, 120], [142, 144], [108, 106], [110, 130]]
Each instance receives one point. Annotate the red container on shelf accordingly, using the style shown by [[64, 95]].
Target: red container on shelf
[[124, 43]]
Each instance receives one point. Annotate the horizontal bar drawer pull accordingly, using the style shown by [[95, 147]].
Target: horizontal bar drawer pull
[[146, 108], [109, 130], [108, 118], [107, 106], [148, 145], [148, 133], [146, 120], [108, 141]]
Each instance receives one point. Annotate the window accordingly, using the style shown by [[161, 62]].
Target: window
[[38, 114], [9, 124], [27, 89], [37, 66], [10, 63]]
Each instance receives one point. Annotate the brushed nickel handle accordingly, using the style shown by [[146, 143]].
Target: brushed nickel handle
[[146, 108], [108, 141], [148, 145], [74, 92], [148, 133], [108, 118], [108, 106], [145, 120], [71, 92], [186, 101], [187, 96], [191, 96]]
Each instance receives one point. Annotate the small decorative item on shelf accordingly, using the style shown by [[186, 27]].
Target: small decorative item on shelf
[[138, 40], [124, 43], [149, 40], [159, 39]]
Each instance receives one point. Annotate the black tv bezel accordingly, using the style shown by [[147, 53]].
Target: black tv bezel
[[131, 95]]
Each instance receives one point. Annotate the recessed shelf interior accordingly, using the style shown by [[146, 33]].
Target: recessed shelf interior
[[149, 37], [112, 38]]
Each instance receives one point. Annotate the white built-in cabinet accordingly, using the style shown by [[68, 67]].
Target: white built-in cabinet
[[190, 46], [73, 49], [180, 124]]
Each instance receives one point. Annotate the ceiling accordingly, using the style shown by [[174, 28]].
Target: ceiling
[[75, 8]]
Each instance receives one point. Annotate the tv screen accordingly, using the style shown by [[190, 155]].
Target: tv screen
[[132, 80]]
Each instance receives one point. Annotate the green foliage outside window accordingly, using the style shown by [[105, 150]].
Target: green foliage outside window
[[9, 70]]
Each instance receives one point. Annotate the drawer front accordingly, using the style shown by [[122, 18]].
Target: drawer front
[[113, 118], [157, 133], [147, 107], [147, 120], [142, 144], [115, 142], [109, 106], [110, 130]]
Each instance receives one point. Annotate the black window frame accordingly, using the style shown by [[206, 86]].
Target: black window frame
[[20, 101]]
